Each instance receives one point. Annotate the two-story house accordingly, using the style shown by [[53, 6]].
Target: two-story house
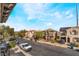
[[69, 34], [50, 34]]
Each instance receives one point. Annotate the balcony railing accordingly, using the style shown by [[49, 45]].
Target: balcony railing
[[63, 33]]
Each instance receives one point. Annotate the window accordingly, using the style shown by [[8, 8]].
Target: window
[[25, 45], [63, 33], [76, 39], [74, 32]]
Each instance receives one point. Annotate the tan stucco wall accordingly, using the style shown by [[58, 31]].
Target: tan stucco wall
[[71, 36]]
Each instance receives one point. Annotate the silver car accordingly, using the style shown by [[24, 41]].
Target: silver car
[[25, 46]]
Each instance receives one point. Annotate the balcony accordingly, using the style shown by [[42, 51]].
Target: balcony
[[63, 33]]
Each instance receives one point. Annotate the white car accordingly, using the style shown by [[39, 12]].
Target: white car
[[25, 46], [76, 48]]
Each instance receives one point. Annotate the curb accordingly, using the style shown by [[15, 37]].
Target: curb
[[54, 44]]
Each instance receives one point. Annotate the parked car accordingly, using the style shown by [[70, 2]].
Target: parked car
[[73, 46], [76, 48], [25, 46], [3, 49]]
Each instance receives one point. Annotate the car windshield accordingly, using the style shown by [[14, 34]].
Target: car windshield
[[25, 45]]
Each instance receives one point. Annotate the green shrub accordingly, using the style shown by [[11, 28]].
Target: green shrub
[[52, 40], [77, 44], [12, 44], [57, 40]]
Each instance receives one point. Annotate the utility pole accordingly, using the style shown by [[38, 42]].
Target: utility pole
[[77, 14], [0, 11]]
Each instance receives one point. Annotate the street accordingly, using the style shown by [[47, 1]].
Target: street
[[39, 49]]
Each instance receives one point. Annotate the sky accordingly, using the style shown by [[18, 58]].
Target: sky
[[41, 16]]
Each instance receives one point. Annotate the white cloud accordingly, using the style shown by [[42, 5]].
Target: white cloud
[[48, 24], [19, 28], [70, 16], [37, 10], [33, 10], [67, 12], [58, 14], [6, 24], [16, 22], [18, 19]]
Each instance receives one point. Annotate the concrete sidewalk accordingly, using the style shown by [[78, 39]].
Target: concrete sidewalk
[[17, 51], [55, 44]]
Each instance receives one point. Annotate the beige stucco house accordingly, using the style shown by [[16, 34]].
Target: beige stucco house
[[69, 34], [29, 34], [50, 34]]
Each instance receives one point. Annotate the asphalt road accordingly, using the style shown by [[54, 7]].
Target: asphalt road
[[40, 49]]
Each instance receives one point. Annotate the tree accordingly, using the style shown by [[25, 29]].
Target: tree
[[5, 34], [16, 34], [56, 37], [39, 34], [11, 31], [22, 33]]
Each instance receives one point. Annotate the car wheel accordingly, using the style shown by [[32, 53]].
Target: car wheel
[[29, 50]]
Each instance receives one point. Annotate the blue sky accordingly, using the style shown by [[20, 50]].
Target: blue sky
[[40, 16]]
